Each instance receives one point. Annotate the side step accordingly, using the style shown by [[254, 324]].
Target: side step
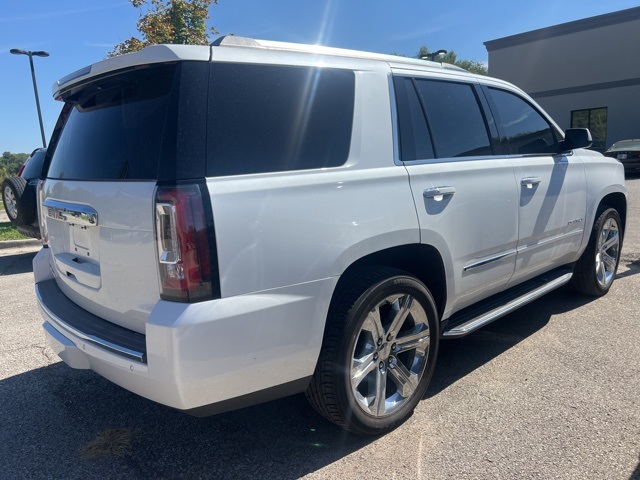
[[476, 316]]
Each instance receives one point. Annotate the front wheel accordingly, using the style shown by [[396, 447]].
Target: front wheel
[[595, 271], [378, 354]]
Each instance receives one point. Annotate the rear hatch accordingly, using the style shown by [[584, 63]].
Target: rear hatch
[[119, 136]]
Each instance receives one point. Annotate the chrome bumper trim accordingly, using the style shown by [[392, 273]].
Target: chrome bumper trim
[[100, 342]]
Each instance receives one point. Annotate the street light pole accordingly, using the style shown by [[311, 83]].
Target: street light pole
[[30, 54]]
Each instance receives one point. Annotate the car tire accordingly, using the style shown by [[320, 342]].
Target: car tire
[[371, 385], [29, 231], [19, 200], [594, 273]]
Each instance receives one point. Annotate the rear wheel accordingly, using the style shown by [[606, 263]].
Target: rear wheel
[[378, 353], [19, 200], [595, 271]]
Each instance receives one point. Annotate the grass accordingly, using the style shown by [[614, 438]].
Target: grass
[[8, 231]]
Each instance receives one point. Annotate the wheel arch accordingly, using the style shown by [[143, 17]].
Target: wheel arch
[[617, 200], [422, 261]]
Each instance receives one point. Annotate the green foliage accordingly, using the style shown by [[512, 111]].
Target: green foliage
[[472, 66], [169, 21], [8, 231], [10, 163]]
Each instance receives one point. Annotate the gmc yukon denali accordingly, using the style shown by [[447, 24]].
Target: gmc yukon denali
[[233, 223]]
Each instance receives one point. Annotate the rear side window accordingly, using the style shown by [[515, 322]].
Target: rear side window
[[523, 128], [455, 118], [415, 139], [33, 167], [116, 127], [267, 118]]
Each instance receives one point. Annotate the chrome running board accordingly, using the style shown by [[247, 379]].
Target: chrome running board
[[473, 318]]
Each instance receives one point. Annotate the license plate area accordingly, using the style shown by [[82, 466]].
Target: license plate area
[[81, 242]]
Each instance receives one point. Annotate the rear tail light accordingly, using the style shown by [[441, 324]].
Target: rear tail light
[[185, 244], [41, 214], [21, 170]]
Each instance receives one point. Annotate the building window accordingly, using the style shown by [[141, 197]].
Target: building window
[[595, 119]]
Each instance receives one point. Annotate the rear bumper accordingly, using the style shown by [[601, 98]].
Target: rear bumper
[[221, 354]]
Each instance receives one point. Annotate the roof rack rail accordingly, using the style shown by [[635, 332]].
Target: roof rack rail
[[234, 41], [237, 41]]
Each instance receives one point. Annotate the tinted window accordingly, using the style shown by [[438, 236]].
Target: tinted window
[[116, 127], [415, 140], [525, 130], [455, 118], [265, 118], [33, 167]]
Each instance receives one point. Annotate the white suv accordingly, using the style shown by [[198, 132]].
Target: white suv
[[235, 223]]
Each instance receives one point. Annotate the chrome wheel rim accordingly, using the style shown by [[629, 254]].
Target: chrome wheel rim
[[10, 203], [607, 252], [390, 355]]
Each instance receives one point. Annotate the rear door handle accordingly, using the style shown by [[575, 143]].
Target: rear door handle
[[438, 193], [529, 182]]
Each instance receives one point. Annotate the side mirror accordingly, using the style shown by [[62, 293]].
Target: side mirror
[[576, 138]]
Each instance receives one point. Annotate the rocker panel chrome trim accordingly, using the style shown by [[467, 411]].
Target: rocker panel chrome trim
[[548, 240], [489, 260], [496, 313]]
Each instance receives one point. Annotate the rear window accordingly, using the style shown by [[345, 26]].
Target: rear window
[[33, 167], [267, 118], [116, 127]]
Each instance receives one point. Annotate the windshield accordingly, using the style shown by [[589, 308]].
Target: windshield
[[625, 145]]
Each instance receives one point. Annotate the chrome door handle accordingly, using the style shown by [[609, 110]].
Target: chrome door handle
[[438, 193], [529, 182]]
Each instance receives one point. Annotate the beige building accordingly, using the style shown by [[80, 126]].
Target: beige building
[[584, 73]]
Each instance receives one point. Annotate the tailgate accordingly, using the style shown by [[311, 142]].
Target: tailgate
[[118, 136], [103, 247]]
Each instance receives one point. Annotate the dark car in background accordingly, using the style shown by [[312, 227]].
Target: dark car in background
[[19, 194], [628, 153]]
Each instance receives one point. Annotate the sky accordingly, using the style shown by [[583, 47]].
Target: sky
[[78, 33]]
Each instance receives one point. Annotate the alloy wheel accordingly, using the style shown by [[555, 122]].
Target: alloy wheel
[[607, 252], [10, 203], [390, 355]]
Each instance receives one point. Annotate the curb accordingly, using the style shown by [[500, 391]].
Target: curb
[[31, 242]]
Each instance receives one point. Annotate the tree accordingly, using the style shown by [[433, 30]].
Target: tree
[[169, 21], [10, 163], [472, 66]]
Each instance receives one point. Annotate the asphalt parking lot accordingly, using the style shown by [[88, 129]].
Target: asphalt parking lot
[[551, 391]]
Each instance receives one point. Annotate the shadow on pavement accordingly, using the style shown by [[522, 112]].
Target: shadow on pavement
[[52, 414], [459, 357], [632, 265], [49, 415], [18, 263]]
